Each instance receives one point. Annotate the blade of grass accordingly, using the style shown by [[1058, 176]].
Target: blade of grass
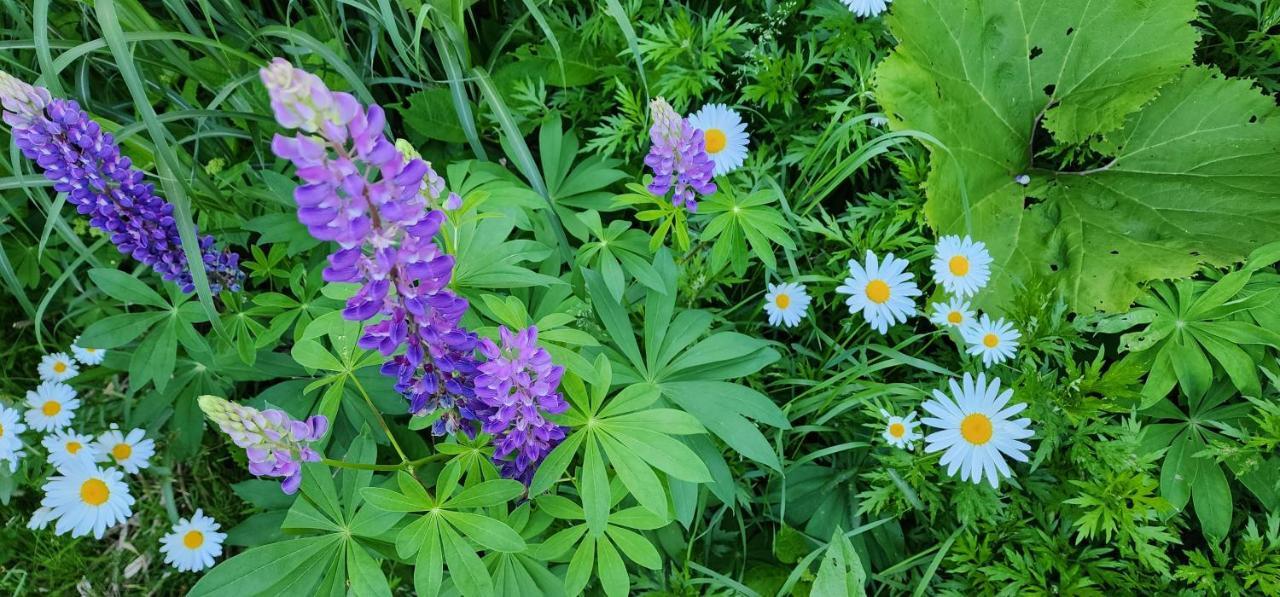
[[624, 22], [541, 19], [166, 164], [522, 157], [457, 87]]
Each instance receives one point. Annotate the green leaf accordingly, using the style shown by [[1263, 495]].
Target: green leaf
[[428, 573], [639, 479], [579, 572], [595, 490], [430, 114], [126, 288], [841, 573], [155, 357], [1211, 496], [392, 501], [313, 355], [465, 567], [256, 570], [1185, 177], [636, 547], [486, 531], [366, 575], [722, 408], [664, 453], [488, 493], [118, 330]]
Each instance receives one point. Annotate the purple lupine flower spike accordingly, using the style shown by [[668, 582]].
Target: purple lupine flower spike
[[275, 444], [371, 196], [514, 390], [678, 157], [85, 163]]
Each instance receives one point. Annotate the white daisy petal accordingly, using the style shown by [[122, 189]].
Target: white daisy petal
[[961, 266], [724, 136], [901, 432], [84, 498], [877, 291], [51, 406], [986, 339], [87, 356], [974, 436], [66, 446], [786, 303], [57, 367], [130, 452], [193, 544], [11, 447]]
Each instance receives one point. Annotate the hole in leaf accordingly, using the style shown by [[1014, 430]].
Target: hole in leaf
[[1035, 53], [1048, 90], [1070, 30], [1253, 119], [1115, 252], [1053, 267]]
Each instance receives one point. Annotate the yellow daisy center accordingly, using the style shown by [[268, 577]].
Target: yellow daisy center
[[193, 539], [959, 265], [73, 447], [51, 408], [1, 429], [976, 429], [991, 340], [877, 291], [955, 317], [121, 452], [782, 301], [90, 350], [897, 429], [94, 492], [59, 367], [716, 140]]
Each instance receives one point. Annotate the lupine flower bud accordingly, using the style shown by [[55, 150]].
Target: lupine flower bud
[[514, 389], [678, 157], [276, 444], [85, 163]]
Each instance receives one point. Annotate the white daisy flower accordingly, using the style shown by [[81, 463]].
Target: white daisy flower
[[962, 266], [901, 432], [975, 430], [52, 406], [725, 134], [87, 356], [953, 313], [193, 544], [881, 291], [130, 452], [996, 341], [786, 303], [57, 367], [867, 8], [67, 445], [40, 519], [10, 443], [85, 498]]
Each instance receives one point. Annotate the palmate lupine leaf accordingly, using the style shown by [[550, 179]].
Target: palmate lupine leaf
[[1189, 176]]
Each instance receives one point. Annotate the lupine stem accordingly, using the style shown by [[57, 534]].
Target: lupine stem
[[381, 421], [406, 465]]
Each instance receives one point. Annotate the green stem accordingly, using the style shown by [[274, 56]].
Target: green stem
[[381, 421], [408, 464]]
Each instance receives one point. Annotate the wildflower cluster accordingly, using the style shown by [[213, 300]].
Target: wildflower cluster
[[678, 157], [361, 192], [375, 200], [82, 497], [275, 444], [514, 388], [85, 163]]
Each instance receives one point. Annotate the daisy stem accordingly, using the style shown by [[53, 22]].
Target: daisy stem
[[381, 421]]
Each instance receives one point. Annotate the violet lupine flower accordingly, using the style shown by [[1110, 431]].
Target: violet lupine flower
[[513, 391], [678, 155], [276, 444], [85, 163], [371, 198]]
